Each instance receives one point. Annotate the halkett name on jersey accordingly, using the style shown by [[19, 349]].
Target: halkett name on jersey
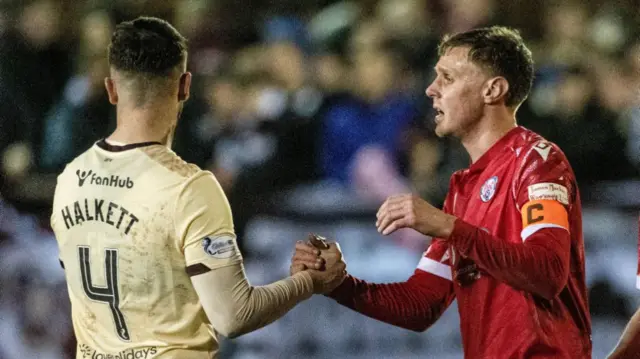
[[98, 210]]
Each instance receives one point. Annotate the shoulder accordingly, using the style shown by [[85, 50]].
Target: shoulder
[[168, 160], [74, 170], [543, 172], [536, 154], [456, 178]]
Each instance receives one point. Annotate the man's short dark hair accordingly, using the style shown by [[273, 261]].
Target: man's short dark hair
[[147, 46], [500, 50]]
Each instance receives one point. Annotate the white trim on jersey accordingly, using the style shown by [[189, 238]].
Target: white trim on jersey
[[435, 267], [529, 230], [638, 282]]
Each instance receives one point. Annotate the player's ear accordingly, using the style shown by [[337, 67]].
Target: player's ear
[[495, 90], [111, 90], [184, 86]]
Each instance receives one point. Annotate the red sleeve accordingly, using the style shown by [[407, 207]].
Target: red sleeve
[[544, 191], [415, 304], [540, 265]]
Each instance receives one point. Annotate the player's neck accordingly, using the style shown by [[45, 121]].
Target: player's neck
[[479, 139], [149, 124]]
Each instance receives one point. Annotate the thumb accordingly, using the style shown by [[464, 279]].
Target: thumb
[[318, 241], [297, 267]]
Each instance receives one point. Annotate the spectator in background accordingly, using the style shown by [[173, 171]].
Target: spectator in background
[[582, 126], [34, 309], [33, 69], [378, 117], [633, 115], [365, 138], [83, 113], [565, 35], [463, 15]]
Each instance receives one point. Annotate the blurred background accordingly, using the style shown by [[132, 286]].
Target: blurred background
[[310, 113]]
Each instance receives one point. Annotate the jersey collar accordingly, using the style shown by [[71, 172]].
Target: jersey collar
[[113, 148], [496, 149]]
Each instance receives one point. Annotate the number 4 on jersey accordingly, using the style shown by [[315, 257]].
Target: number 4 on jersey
[[109, 294]]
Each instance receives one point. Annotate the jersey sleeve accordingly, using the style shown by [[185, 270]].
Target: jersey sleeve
[[545, 189], [414, 304], [437, 259], [54, 220], [204, 225]]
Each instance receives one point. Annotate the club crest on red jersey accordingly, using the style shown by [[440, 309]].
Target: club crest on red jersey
[[488, 189]]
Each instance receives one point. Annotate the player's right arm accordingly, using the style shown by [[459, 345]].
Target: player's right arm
[[629, 344], [234, 307], [414, 304]]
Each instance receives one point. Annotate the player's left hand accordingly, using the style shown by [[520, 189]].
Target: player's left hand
[[411, 211]]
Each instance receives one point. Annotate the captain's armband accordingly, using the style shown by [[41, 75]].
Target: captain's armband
[[543, 213]]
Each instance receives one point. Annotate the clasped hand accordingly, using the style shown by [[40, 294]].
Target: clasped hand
[[323, 260]]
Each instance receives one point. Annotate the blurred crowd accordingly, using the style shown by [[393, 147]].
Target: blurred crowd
[[289, 93]]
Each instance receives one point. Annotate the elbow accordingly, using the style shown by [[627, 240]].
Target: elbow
[[418, 329], [418, 326], [551, 290], [551, 280], [238, 323], [228, 331], [554, 284], [232, 325], [231, 330], [232, 334]]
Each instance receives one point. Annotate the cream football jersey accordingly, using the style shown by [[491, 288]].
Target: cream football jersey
[[131, 223]]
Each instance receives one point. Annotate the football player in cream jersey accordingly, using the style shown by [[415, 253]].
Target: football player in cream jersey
[[146, 239]]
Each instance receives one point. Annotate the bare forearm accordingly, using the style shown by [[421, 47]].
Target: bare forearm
[[629, 345], [411, 305]]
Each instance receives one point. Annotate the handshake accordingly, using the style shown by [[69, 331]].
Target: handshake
[[323, 261]]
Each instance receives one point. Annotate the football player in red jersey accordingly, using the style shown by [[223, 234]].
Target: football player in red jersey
[[629, 345], [508, 244]]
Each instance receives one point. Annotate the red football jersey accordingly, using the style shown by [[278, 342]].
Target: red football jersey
[[499, 319], [515, 259]]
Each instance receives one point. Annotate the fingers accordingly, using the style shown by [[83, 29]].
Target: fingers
[[393, 202], [393, 226], [394, 207], [336, 276], [308, 260], [388, 217], [305, 247]]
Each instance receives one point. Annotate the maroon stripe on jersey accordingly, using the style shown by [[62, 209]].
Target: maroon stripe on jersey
[[113, 148], [197, 269]]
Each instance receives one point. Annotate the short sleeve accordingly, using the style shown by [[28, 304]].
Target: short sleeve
[[204, 223], [544, 189]]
